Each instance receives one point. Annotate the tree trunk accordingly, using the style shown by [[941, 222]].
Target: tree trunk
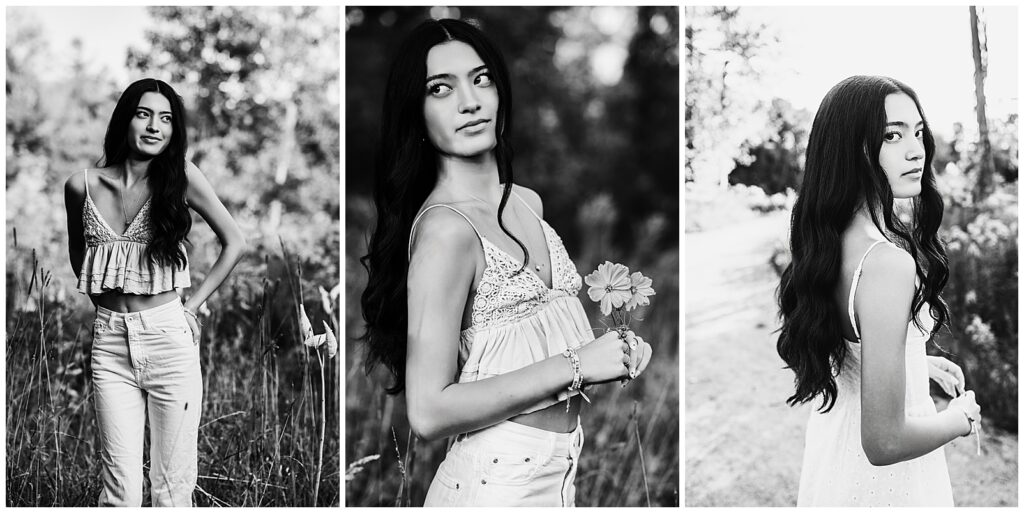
[[986, 164]]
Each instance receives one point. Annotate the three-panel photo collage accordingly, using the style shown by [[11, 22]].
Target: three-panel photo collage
[[608, 256]]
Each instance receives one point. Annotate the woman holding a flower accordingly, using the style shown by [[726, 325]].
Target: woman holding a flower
[[472, 299], [861, 300]]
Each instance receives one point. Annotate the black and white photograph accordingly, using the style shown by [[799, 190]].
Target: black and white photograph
[[512, 256], [173, 249], [851, 231]]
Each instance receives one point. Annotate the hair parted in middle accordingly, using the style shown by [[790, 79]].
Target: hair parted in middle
[[407, 172], [842, 173]]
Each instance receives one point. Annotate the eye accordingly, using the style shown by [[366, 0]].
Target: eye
[[438, 89], [919, 134], [141, 114], [892, 136], [483, 79], [165, 119]]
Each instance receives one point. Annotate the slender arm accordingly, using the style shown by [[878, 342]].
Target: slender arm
[[204, 200], [888, 434]]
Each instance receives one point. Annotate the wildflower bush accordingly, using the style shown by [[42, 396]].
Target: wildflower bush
[[981, 243]]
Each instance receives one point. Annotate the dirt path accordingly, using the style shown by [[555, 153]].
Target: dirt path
[[743, 444]]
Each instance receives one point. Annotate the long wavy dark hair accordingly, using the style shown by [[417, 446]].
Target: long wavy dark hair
[[166, 176], [406, 174], [841, 174]]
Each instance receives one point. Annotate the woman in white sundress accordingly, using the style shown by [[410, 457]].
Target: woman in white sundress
[[471, 300], [860, 301]]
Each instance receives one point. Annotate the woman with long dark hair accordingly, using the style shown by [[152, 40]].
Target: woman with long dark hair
[[471, 300], [861, 299], [128, 220]]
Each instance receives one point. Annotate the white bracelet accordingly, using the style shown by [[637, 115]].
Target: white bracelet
[[194, 316]]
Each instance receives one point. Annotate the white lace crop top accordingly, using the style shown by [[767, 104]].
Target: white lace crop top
[[120, 262], [516, 319]]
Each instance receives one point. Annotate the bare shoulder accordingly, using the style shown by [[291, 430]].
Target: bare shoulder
[[443, 232], [888, 264], [192, 171], [530, 197], [74, 185]]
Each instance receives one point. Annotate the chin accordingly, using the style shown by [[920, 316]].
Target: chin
[[907, 193]]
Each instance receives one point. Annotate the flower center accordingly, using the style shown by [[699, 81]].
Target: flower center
[[632, 290], [608, 288]]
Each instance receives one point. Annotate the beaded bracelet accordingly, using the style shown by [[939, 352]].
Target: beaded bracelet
[[577, 373]]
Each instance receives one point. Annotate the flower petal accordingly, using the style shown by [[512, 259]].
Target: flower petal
[[332, 341], [305, 327]]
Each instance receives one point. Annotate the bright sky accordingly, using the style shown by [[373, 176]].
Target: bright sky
[[928, 48], [105, 32]]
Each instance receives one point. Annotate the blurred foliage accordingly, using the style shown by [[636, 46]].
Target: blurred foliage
[[595, 113], [261, 88], [726, 112]]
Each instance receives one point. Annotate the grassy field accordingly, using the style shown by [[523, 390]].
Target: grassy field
[[268, 434], [743, 444], [631, 451]]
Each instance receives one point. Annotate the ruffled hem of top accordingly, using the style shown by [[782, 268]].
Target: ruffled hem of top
[[124, 266], [497, 350]]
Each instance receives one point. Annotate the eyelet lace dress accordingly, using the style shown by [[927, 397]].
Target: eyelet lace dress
[[836, 472], [120, 262], [517, 320]]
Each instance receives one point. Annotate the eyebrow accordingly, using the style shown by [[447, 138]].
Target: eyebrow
[[901, 123], [149, 110], [449, 75]]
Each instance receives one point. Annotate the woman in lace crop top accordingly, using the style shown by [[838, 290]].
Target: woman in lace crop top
[[127, 224], [858, 310], [471, 301]]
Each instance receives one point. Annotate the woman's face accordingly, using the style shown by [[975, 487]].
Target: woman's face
[[902, 153], [461, 102], [150, 130]]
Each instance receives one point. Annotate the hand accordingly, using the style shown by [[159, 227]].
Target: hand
[[639, 355], [609, 357], [604, 359], [966, 403], [194, 326], [947, 374]]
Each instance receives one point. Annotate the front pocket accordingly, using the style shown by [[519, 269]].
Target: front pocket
[[509, 469]]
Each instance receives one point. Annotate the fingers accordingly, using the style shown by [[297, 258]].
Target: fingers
[[646, 352], [634, 355]]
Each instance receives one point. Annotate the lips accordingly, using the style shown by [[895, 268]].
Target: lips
[[150, 139], [916, 170], [473, 123]]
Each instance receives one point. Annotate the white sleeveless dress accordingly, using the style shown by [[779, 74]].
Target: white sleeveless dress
[[836, 472]]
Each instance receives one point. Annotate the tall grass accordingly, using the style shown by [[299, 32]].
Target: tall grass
[[270, 417], [631, 435]]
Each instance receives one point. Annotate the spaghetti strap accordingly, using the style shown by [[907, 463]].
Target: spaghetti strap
[[853, 287], [416, 221], [86, 171], [527, 205]]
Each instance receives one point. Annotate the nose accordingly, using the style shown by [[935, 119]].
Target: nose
[[151, 125], [468, 101], [916, 151]]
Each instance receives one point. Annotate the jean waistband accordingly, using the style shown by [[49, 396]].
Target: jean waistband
[[172, 307], [510, 433]]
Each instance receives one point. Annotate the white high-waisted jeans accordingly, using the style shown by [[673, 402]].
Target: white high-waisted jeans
[[508, 464], [146, 363]]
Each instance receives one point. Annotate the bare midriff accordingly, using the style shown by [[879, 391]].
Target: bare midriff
[[553, 418], [118, 301]]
